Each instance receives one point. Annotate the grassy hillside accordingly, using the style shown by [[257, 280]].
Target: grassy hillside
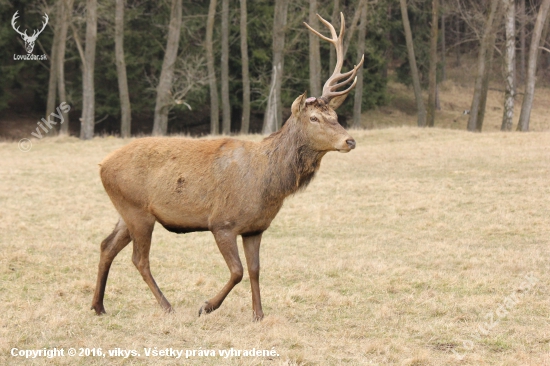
[[456, 96]]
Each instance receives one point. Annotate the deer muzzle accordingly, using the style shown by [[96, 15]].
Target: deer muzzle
[[346, 145]]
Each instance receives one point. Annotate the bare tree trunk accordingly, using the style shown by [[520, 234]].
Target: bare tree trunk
[[50, 103], [245, 122], [489, 66], [545, 56], [88, 91], [214, 104], [226, 108], [414, 69], [482, 66], [543, 42], [125, 109], [443, 50], [522, 18], [432, 77], [314, 53], [437, 100], [543, 37], [361, 38], [66, 11], [510, 65], [162, 107], [335, 19], [388, 53], [485, 82], [458, 48], [525, 115], [274, 114]]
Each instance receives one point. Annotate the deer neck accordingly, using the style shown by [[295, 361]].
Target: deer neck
[[292, 163]]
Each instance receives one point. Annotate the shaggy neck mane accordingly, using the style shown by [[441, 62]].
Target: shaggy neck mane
[[292, 163]]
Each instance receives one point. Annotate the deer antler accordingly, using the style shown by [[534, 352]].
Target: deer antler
[[24, 34], [15, 16], [330, 89], [35, 35]]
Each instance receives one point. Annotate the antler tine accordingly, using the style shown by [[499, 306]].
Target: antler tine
[[347, 75], [43, 25], [350, 74], [329, 90], [345, 91], [330, 27], [342, 26], [339, 53], [334, 38], [318, 34], [13, 19]]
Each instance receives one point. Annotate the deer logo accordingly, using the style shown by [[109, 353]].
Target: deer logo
[[29, 40]]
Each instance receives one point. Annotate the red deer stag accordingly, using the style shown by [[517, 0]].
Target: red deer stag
[[227, 186]]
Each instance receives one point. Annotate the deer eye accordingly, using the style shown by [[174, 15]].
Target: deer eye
[[314, 119]]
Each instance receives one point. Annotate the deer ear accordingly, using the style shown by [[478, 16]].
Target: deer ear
[[299, 104], [337, 101]]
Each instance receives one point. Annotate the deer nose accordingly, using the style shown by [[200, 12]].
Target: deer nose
[[351, 143]]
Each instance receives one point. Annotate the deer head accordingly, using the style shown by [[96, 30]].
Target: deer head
[[316, 114], [29, 40]]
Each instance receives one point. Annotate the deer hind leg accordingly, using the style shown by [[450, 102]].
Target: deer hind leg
[[227, 243], [110, 247], [141, 230]]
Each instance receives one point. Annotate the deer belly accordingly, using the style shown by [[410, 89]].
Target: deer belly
[[181, 221]]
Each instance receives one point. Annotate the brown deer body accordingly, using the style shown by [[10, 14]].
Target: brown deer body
[[227, 186]]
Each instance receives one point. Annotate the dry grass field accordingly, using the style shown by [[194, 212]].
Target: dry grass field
[[396, 254]]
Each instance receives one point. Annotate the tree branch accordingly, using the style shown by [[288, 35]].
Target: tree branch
[[79, 46]]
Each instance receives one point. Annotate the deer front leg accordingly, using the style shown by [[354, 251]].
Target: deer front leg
[[251, 246], [227, 243]]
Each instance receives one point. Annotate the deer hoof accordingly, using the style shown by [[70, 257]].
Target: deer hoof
[[99, 309], [257, 317], [206, 308], [169, 310]]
